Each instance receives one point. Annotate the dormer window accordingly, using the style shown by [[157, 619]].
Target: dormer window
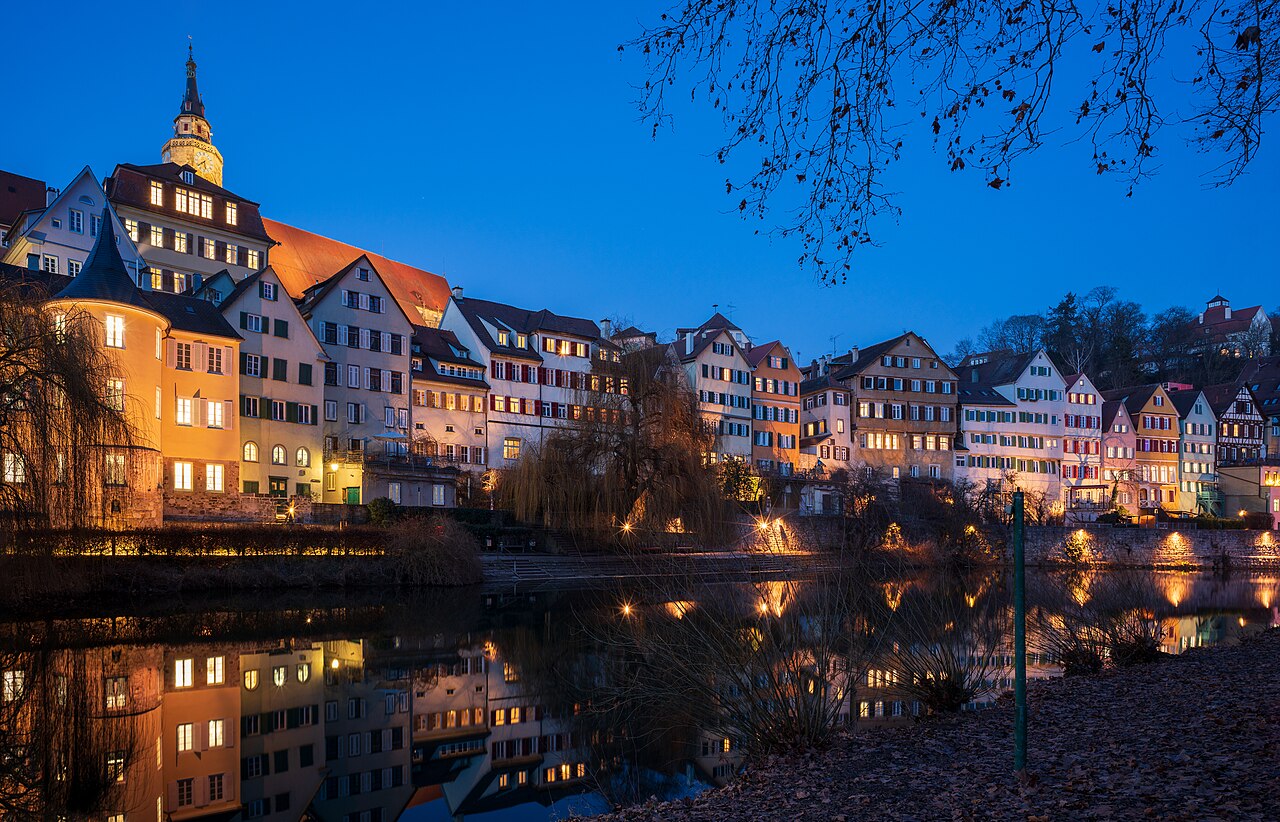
[[189, 177], [522, 341], [504, 337], [231, 213]]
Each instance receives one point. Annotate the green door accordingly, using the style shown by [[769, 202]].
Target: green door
[[353, 496], [278, 486]]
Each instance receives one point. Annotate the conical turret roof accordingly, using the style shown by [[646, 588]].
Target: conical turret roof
[[104, 276]]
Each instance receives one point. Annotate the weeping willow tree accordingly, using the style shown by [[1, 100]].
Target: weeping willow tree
[[632, 464], [68, 746], [64, 430]]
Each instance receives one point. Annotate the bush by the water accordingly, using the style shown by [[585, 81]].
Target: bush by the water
[[434, 551]]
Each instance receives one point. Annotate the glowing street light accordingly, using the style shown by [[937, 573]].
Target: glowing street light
[[626, 609], [763, 524]]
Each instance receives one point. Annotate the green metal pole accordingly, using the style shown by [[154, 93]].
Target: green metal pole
[[1019, 640]]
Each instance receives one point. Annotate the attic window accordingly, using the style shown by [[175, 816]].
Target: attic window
[[504, 337], [86, 199], [189, 178], [362, 274]]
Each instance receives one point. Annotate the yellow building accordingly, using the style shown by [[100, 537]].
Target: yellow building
[[175, 379]]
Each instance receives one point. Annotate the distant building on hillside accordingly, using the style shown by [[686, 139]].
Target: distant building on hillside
[[1243, 332]]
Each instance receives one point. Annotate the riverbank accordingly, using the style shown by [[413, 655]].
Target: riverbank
[[1194, 737]]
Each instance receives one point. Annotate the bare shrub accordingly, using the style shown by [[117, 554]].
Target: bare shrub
[[433, 551]]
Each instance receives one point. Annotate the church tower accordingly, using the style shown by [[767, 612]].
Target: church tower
[[192, 140]]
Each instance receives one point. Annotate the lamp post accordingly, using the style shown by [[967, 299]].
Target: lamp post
[[1019, 640]]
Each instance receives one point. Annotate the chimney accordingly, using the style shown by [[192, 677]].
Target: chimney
[[853, 355], [606, 328], [688, 342], [457, 293], [50, 194]]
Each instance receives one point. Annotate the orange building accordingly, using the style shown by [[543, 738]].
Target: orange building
[[775, 400], [1155, 428]]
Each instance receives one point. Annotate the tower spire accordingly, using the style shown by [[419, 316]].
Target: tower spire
[[191, 103]]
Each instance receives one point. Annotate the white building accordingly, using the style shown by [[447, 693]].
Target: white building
[[1012, 422], [1197, 454], [539, 366], [365, 336], [282, 368], [714, 357], [1085, 492], [59, 237]]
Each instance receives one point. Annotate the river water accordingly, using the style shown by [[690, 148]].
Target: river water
[[520, 704]]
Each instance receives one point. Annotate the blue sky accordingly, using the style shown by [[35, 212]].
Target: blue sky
[[498, 144]]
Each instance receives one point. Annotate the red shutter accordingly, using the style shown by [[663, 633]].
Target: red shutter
[[537, 408], [493, 402], [493, 369]]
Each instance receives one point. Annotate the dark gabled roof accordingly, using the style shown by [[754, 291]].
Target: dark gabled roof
[[999, 370], [104, 276], [866, 356], [632, 331], [971, 394], [1184, 401], [521, 321], [19, 194], [191, 314], [717, 321], [1134, 397], [438, 345], [236, 289], [172, 172], [1222, 395], [757, 353], [826, 382], [1110, 409]]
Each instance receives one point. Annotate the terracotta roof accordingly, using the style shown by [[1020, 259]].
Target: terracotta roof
[[1216, 321], [303, 258], [19, 194], [757, 354]]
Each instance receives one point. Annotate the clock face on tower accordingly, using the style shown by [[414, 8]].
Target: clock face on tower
[[200, 162]]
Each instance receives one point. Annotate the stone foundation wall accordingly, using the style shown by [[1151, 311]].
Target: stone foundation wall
[[231, 507], [1105, 545]]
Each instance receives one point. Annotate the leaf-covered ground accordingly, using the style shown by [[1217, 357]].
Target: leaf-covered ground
[[1194, 737]]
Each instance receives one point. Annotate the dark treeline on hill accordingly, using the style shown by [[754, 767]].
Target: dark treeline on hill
[[1117, 343]]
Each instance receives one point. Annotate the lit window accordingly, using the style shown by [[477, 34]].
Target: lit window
[[251, 452], [303, 458], [182, 411], [277, 455], [251, 680], [213, 479], [185, 737], [14, 685], [279, 675], [231, 213], [115, 331], [180, 242], [304, 671], [15, 469], [117, 692], [251, 259], [157, 236], [182, 671], [213, 413], [511, 448], [115, 769], [182, 478], [215, 733], [115, 394], [131, 228], [208, 249], [232, 251], [157, 193]]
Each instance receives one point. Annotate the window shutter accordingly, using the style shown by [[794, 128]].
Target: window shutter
[[228, 357], [386, 341], [228, 414], [282, 328], [366, 378], [197, 412], [386, 381], [170, 353], [290, 412], [244, 319], [200, 357], [493, 403], [244, 363], [315, 416]]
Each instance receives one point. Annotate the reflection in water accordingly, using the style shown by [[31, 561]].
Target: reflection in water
[[529, 705]]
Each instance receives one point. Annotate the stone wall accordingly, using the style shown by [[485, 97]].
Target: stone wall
[[1107, 545], [231, 507]]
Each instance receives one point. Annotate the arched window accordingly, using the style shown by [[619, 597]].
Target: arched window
[[250, 451], [277, 455], [303, 458]]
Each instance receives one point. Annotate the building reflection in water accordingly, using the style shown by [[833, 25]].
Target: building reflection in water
[[492, 717]]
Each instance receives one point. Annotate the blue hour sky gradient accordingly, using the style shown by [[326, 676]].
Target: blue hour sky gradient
[[498, 144]]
